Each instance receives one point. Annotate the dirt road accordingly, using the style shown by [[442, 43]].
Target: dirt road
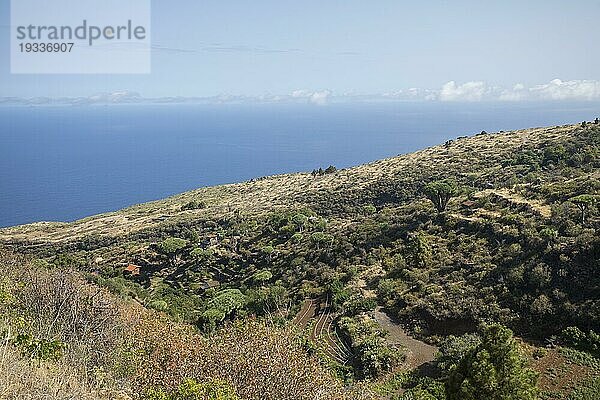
[[418, 353]]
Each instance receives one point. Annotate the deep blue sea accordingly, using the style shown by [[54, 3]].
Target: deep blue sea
[[66, 162]]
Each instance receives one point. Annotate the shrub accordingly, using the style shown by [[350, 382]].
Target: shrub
[[192, 390], [193, 205], [494, 370], [454, 348]]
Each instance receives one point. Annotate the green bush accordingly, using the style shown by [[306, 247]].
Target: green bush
[[576, 338], [494, 370], [454, 348], [39, 349], [192, 390]]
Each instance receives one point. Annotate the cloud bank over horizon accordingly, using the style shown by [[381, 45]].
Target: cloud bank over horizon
[[473, 91]]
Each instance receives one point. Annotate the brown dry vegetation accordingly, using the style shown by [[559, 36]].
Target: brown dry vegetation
[[116, 349]]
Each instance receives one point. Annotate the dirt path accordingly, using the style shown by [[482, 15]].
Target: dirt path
[[418, 353], [514, 198], [306, 313]]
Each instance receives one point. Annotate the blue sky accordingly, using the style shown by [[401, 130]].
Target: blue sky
[[252, 48]]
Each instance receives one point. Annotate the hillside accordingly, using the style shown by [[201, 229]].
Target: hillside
[[362, 266]]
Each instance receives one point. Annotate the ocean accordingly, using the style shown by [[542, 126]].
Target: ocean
[[61, 163]]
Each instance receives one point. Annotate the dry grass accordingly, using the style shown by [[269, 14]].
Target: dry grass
[[113, 345], [22, 380]]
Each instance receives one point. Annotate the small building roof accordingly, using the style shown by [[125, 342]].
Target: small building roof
[[133, 269]]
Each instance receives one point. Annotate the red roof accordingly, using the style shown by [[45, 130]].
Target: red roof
[[133, 269]]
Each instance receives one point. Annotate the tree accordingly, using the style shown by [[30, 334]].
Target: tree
[[171, 248], [419, 249], [262, 276], [494, 370], [269, 251], [330, 170], [202, 255], [440, 192], [224, 304], [583, 202], [300, 220], [320, 238]]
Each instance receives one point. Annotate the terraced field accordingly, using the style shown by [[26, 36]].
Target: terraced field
[[323, 334]]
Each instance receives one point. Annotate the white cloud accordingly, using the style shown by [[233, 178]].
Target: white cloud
[[320, 98], [301, 94], [517, 93], [555, 90], [470, 91], [569, 90], [123, 96]]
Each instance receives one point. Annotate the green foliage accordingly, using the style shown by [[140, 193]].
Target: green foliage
[[580, 358], [268, 250], [267, 300], [67, 260], [493, 370], [574, 337], [425, 389], [372, 356], [440, 192], [301, 221], [222, 305], [6, 295], [171, 246], [554, 154], [320, 239], [584, 202], [201, 254], [515, 255], [262, 276], [159, 305], [39, 349], [192, 390], [228, 300], [193, 205], [357, 304], [454, 348], [338, 293], [419, 250], [210, 318], [589, 391], [369, 209], [409, 385]]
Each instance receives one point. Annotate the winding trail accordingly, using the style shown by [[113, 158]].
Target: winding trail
[[418, 353], [306, 313]]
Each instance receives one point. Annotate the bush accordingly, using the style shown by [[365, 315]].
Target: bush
[[454, 348], [193, 205], [494, 370], [576, 338], [192, 390], [372, 356]]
